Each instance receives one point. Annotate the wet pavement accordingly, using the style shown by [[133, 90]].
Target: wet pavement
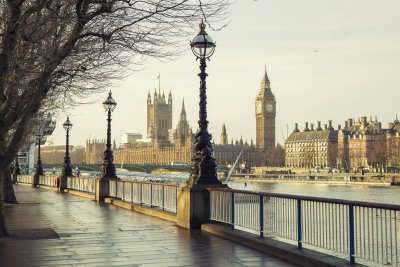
[[56, 229]]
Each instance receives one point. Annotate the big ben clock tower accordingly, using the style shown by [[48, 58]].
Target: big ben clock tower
[[265, 116]]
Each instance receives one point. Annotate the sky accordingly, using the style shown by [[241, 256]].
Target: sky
[[326, 60]]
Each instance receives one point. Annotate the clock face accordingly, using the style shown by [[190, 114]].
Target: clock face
[[269, 108], [258, 107]]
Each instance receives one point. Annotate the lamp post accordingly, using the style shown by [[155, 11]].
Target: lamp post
[[17, 169], [203, 166], [67, 169], [108, 170], [39, 167]]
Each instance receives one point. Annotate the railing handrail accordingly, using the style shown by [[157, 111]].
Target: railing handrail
[[82, 177], [142, 182], [318, 199]]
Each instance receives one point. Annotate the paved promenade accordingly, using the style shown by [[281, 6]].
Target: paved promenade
[[52, 229]]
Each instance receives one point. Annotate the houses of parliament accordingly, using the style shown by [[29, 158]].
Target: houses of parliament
[[165, 144]]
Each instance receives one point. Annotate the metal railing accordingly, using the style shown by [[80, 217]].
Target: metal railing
[[25, 179], [87, 185], [48, 180], [354, 229], [162, 196]]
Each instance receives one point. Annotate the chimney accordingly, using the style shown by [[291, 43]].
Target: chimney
[[326, 127], [296, 127], [306, 129], [351, 122], [339, 127], [364, 121], [312, 126], [330, 125], [319, 126]]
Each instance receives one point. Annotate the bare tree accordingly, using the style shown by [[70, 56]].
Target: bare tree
[[378, 155], [56, 52]]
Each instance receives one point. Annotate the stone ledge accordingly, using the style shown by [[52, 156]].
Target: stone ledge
[[23, 184], [80, 194], [165, 215], [287, 252], [48, 187]]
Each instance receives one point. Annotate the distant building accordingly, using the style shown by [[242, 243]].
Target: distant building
[[56, 154], [312, 147], [393, 145], [361, 144], [129, 138], [358, 145], [94, 151], [265, 116]]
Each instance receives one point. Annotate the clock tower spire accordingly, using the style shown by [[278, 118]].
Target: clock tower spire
[[265, 115]]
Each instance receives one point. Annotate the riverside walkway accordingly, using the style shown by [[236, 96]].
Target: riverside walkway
[[55, 229]]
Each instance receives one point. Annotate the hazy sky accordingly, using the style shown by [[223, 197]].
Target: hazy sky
[[330, 59]]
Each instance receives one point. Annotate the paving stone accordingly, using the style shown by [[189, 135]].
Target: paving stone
[[96, 234]]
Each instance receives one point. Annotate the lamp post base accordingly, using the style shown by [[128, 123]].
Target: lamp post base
[[193, 207], [208, 171]]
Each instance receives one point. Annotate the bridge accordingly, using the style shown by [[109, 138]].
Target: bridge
[[299, 230], [147, 168]]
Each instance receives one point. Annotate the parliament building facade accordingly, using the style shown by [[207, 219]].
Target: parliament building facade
[[164, 144]]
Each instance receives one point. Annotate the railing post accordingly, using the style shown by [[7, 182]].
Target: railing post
[[176, 200], [162, 195], [299, 225], [233, 210], [261, 216], [131, 192], [141, 193], [151, 195], [123, 190], [351, 234], [209, 205]]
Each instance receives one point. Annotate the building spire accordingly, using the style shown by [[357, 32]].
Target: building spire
[[265, 79], [265, 88], [183, 111], [159, 84]]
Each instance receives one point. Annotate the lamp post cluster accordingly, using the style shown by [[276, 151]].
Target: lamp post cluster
[[108, 170], [203, 166]]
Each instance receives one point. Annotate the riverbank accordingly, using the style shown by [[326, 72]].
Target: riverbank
[[335, 182]]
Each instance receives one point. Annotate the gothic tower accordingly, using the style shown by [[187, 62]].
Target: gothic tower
[[183, 131], [224, 136], [265, 116], [159, 115]]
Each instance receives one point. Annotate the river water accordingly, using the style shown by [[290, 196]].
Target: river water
[[368, 193]]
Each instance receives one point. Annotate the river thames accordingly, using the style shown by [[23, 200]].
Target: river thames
[[368, 193]]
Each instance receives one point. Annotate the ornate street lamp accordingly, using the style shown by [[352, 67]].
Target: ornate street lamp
[[39, 167], [67, 169], [203, 167], [108, 170], [17, 169]]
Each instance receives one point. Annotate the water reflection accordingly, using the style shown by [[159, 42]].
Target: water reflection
[[379, 194]]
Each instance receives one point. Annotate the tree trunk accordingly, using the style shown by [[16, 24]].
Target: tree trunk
[[3, 229], [9, 195]]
